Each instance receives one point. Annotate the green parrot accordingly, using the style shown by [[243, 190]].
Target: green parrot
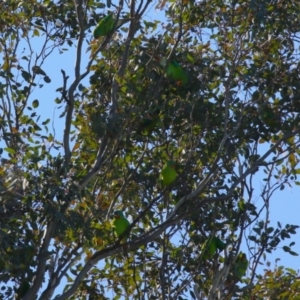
[[174, 71], [107, 25], [240, 266], [168, 173], [120, 225], [220, 244], [237, 271], [209, 248], [211, 245]]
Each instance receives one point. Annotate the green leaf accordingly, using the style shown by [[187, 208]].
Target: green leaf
[[10, 150], [257, 230], [190, 58], [26, 76], [47, 79], [35, 103], [46, 122], [284, 235], [252, 238], [38, 70]]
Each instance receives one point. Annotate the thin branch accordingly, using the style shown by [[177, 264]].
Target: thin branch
[[162, 274], [64, 88], [134, 279], [98, 163], [73, 86], [42, 259], [59, 274], [124, 184], [197, 293]]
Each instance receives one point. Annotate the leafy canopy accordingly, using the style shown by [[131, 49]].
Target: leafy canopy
[[229, 116]]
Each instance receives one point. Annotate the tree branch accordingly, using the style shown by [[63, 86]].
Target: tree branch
[[71, 100], [42, 259]]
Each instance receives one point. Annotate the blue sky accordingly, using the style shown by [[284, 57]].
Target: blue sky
[[284, 207]]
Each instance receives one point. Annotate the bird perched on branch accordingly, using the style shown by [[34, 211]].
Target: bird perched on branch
[[107, 25], [120, 224], [168, 173]]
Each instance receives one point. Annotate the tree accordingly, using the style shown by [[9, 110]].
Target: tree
[[282, 283], [235, 118]]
